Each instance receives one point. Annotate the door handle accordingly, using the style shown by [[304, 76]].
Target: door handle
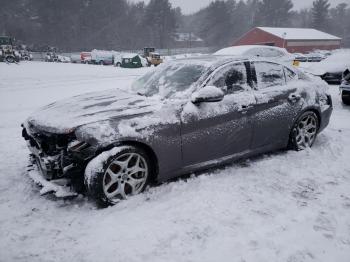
[[245, 108]]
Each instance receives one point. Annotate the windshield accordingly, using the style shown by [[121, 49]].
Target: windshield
[[168, 80], [5, 41]]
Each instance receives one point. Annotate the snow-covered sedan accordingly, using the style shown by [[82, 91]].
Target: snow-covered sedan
[[262, 51], [331, 69], [184, 116]]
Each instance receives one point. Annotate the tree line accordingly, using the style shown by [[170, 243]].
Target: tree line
[[74, 25], [222, 22]]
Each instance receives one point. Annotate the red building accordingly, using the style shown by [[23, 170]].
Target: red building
[[295, 40]]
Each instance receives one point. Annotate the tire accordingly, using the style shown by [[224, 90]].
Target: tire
[[10, 59], [304, 131], [346, 99], [118, 64], [116, 174], [101, 63]]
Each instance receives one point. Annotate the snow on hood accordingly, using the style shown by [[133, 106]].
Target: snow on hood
[[66, 115]]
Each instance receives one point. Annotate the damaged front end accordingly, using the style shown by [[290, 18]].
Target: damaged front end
[[59, 157]]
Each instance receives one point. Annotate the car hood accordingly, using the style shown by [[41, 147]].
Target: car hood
[[65, 116]]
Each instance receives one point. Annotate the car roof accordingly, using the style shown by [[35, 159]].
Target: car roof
[[211, 60], [241, 49], [217, 61]]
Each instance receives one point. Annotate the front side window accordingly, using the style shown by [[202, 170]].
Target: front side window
[[231, 78], [269, 74]]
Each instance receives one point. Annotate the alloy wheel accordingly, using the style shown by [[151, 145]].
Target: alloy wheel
[[306, 131], [125, 176]]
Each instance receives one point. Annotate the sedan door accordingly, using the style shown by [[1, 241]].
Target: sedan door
[[279, 102], [215, 131]]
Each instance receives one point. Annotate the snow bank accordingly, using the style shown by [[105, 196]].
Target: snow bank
[[285, 206]]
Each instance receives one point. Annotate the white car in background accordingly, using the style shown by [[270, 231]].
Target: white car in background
[[117, 59], [271, 52], [332, 68], [63, 59]]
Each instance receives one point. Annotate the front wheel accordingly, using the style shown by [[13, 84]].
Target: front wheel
[[10, 59], [117, 174], [304, 132]]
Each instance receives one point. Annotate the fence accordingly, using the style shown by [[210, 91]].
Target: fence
[[40, 56]]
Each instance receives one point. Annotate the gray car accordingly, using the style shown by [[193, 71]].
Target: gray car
[[184, 116]]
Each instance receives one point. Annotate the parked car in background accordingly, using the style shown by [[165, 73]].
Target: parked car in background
[[117, 59], [133, 60], [24, 53], [99, 57], [331, 69], [345, 87], [75, 58], [115, 143], [315, 57], [270, 52], [300, 57], [63, 59], [85, 57]]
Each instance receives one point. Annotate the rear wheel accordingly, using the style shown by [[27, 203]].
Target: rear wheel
[[304, 132], [117, 174], [118, 64]]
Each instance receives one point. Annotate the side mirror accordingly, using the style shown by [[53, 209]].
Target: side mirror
[[207, 94]]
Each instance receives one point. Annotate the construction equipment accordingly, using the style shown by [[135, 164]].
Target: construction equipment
[[51, 55], [7, 52], [152, 57]]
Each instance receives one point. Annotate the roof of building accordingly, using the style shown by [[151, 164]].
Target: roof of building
[[299, 33]]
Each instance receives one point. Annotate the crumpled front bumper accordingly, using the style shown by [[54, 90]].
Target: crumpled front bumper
[[61, 188], [57, 162]]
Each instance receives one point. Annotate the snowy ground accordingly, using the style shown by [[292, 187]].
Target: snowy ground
[[285, 206]]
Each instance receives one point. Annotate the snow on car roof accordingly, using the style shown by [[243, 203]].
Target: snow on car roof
[[241, 49], [129, 55], [299, 33], [209, 60]]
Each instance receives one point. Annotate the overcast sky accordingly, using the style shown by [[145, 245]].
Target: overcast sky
[[190, 6]]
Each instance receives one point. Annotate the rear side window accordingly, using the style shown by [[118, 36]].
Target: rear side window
[[231, 78], [265, 52], [269, 74]]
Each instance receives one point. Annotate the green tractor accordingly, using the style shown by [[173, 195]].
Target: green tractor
[[7, 52]]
